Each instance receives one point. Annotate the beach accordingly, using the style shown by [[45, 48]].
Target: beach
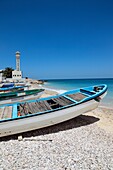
[[82, 143]]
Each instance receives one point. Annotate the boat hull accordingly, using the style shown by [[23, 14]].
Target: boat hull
[[44, 120]]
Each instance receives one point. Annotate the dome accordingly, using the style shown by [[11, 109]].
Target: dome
[[18, 52]]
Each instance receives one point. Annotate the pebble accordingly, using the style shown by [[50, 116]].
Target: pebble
[[20, 138], [77, 144]]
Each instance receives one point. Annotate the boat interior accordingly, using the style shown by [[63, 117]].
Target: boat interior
[[45, 105]]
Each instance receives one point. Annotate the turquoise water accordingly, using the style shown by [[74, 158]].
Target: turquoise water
[[69, 84]]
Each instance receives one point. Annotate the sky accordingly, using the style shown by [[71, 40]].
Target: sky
[[58, 39]]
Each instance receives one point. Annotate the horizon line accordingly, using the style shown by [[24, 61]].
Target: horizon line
[[76, 78]]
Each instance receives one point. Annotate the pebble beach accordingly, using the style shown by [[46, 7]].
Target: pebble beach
[[82, 143]]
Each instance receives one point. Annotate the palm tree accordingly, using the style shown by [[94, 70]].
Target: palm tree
[[7, 73]]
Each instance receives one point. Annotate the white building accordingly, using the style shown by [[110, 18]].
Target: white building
[[1, 75], [17, 74]]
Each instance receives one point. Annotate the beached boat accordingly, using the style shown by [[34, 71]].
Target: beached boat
[[9, 87], [6, 85], [19, 96], [35, 114]]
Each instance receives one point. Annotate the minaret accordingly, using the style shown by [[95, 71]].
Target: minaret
[[18, 61], [17, 74]]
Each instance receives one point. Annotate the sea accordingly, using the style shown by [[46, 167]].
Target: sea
[[62, 85]]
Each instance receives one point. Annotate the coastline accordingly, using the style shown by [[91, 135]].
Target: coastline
[[69, 84], [84, 142], [52, 91]]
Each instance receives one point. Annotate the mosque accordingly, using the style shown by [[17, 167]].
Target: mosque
[[16, 74]]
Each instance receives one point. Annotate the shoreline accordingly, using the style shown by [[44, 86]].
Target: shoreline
[[59, 91], [105, 107]]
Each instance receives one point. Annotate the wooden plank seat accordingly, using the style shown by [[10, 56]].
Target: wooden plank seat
[[77, 96], [6, 112], [40, 106], [47, 105], [63, 101], [23, 109], [1, 112], [29, 108], [26, 108], [44, 105]]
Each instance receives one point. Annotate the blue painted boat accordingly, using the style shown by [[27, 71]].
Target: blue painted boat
[[35, 114], [19, 95], [10, 87], [7, 85]]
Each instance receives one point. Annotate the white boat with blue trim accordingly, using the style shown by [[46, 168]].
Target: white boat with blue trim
[[11, 87], [35, 114], [20, 96]]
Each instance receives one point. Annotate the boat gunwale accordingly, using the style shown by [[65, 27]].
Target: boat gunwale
[[93, 97], [19, 92], [11, 88]]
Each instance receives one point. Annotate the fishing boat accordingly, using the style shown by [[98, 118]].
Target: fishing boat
[[6, 85], [19, 95], [43, 112], [4, 88]]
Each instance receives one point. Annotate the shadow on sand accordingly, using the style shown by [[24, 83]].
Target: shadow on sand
[[82, 120]]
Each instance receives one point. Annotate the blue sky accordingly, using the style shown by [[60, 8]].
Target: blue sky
[[58, 38]]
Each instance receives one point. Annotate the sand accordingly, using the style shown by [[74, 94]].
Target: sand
[[105, 116]]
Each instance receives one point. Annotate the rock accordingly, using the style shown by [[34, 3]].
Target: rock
[[20, 138], [33, 81]]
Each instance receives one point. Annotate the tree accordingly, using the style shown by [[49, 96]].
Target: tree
[[7, 73]]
